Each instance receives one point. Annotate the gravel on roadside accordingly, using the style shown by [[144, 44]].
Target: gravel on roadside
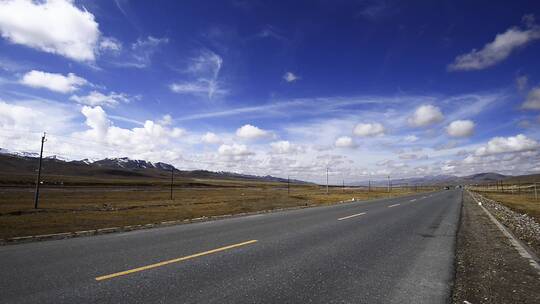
[[488, 268], [522, 226]]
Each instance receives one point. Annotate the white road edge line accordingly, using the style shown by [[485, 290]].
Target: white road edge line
[[413, 200], [517, 245], [350, 216], [394, 205]]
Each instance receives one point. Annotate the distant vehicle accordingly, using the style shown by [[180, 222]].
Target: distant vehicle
[[446, 188]]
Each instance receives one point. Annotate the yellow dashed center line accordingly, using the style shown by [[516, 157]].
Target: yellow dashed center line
[[350, 216], [147, 267]]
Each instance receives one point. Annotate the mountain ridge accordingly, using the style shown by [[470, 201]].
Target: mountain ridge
[[121, 166]]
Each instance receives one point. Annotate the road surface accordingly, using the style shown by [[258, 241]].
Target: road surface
[[398, 250]]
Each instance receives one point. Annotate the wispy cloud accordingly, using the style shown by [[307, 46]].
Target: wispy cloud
[[140, 54], [316, 105], [499, 49], [203, 71], [95, 98], [375, 9]]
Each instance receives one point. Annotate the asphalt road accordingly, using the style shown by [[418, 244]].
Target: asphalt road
[[397, 250]]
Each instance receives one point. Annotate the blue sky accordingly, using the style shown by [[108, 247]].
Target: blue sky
[[366, 88]]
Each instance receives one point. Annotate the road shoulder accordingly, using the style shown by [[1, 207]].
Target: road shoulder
[[488, 268]]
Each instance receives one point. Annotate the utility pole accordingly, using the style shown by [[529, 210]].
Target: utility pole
[[327, 192], [535, 193], [343, 187], [172, 181], [38, 180], [388, 183], [369, 186], [288, 185]]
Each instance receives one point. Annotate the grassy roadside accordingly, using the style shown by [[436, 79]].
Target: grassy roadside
[[520, 203], [71, 209]]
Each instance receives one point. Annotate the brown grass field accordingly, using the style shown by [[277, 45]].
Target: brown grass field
[[518, 197], [76, 208], [521, 203]]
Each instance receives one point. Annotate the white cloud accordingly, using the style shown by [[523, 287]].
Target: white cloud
[[411, 138], [426, 115], [54, 26], [33, 116], [533, 99], [497, 145], [211, 138], [369, 129], [460, 128], [166, 120], [448, 168], [497, 50], [205, 68], [234, 151], [284, 147], [344, 142], [53, 81], [251, 132], [96, 98], [110, 44], [97, 120], [290, 77], [132, 141]]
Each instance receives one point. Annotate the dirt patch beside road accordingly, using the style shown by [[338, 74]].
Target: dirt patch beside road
[[488, 268]]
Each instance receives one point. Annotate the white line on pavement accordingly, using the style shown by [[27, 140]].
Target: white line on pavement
[[394, 205], [348, 217]]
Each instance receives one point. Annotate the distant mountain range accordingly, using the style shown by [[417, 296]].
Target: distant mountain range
[[26, 163], [480, 178]]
